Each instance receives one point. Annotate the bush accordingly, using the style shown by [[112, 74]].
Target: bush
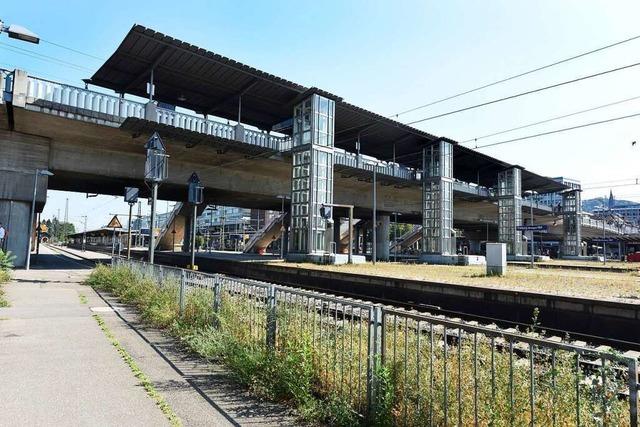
[[313, 362], [6, 260], [286, 375]]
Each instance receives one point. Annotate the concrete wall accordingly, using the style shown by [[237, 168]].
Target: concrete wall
[[20, 156], [382, 238], [15, 217]]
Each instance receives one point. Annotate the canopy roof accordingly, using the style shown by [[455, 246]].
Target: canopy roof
[[200, 80]]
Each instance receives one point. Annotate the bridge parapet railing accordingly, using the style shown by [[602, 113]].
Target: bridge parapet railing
[[81, 99], [5, 85], [76, 100], [416, 368], [356, 161], [39, 90], [611, 228]]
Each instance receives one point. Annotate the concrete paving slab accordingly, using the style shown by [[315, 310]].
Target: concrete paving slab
[[58, 368]]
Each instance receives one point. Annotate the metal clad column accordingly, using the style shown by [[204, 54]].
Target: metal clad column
[[510, 209], [571, 223], [312, 174], [437, 198]]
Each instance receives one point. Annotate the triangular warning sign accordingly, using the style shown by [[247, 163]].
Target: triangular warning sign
[[114, 223]]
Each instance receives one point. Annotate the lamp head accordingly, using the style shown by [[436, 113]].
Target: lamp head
[[20, 33]]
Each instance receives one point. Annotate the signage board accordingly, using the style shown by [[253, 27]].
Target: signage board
[[603, 240], [540, 228], [114, 223], [131, 194]]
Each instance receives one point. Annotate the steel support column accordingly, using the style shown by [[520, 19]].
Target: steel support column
[[312, 174], [571, 223], [510, 209], [437, 199]]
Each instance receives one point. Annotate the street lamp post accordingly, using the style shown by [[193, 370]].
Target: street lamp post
[[604, 240], [531, 193], [84, 232], [131, 197], [282, 229], [375, 219], [156, 169], [395, 238], [33, 209], [195, 198]]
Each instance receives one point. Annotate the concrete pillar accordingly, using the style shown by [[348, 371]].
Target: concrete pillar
[[238, 132], [15, 218], [337, 234], [151, 111], [382, 238], [510, 209], [437, 199], [21, 155], [312, 176], [571, 223], [20, 88], [186, 240]]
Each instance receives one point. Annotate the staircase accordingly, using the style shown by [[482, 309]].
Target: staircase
[[408, 238], [264, 236], [165, 240]]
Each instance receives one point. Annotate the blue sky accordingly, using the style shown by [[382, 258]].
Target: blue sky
[[388, 57]]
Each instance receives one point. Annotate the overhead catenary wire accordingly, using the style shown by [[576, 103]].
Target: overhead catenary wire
[[631, 184], [42, 57], [88, 55], [513, 77], [558, 131], [611, 181], [528, 92], [550, 119]]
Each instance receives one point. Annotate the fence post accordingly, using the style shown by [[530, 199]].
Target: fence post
[[217, 299], [183, 283], [271, 317], [374, 357], [633, 392]]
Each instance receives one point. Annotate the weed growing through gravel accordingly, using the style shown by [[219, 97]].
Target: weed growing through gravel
[[6, 264], [137, 372]]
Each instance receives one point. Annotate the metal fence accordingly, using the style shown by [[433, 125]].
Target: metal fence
[[420, 369]]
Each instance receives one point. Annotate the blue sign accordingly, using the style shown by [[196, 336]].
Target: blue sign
[[602, 240], [540, 228]]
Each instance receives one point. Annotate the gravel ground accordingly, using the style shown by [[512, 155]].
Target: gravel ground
[[588, 284]]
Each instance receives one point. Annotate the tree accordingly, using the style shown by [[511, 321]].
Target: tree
[[60, 230], [402, 229]]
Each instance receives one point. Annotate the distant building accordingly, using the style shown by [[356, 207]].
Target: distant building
[[629, 213], [234, 218], [555, 199]]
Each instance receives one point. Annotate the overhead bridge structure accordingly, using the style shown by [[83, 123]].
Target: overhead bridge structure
[[254, 138]]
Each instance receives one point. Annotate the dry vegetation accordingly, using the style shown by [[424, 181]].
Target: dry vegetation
[[589, 284]]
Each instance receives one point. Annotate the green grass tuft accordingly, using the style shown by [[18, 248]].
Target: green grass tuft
[[5, 276], [141, 376]]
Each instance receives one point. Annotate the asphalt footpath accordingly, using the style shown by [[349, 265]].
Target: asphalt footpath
[[57, 367]]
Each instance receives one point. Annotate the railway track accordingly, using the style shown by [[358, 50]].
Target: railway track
[[577, 337]]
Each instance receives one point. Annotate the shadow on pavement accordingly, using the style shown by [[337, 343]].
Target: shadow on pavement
[[57, 262], [211, 381]]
